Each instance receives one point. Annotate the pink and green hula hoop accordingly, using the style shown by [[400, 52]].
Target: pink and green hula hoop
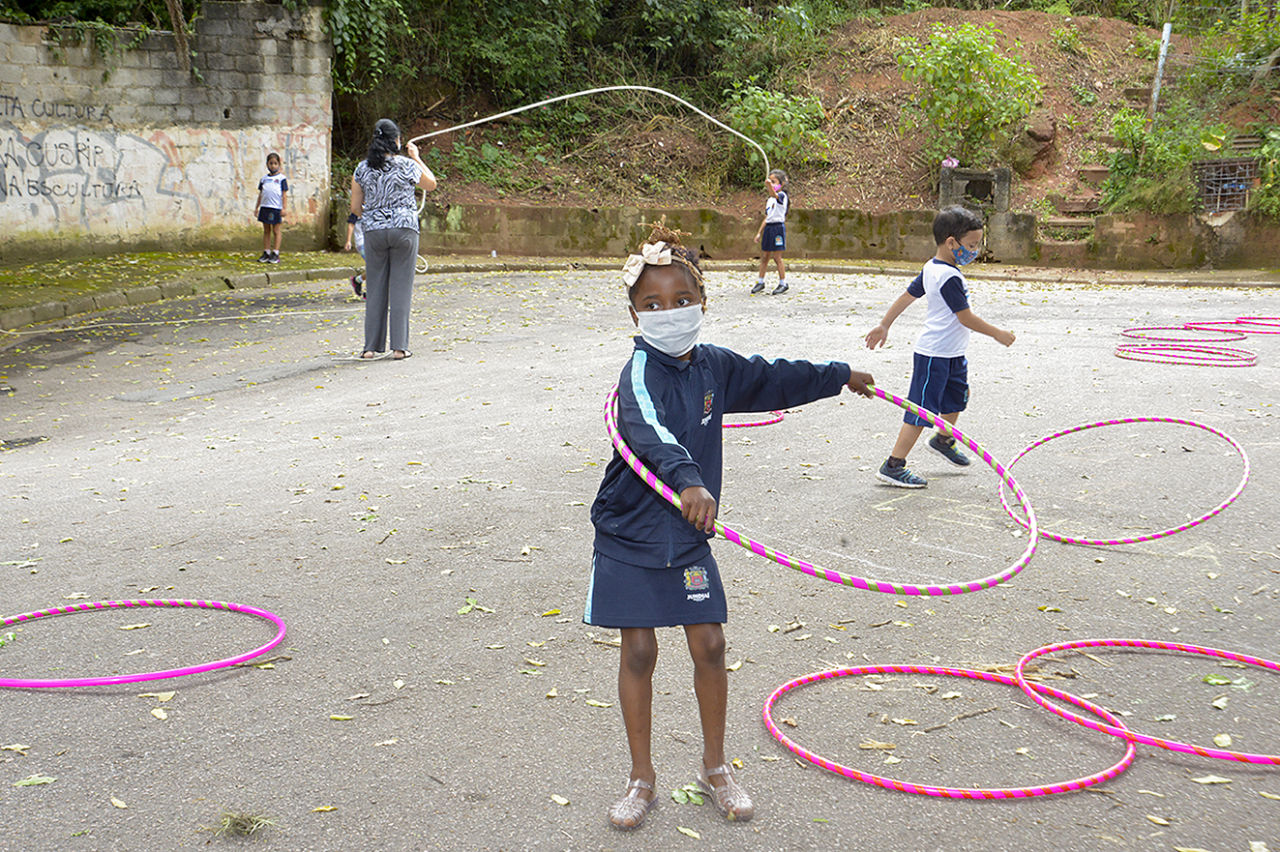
[[948, 792], [1065, 539], [1115, 730], [886, 586], [24, 683]]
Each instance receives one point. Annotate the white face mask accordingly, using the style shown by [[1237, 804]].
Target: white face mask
[[672, 332]]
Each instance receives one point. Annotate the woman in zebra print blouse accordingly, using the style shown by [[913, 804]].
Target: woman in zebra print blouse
[[382, 199]]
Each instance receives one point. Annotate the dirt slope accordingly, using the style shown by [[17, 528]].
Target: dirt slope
[[671, 158]]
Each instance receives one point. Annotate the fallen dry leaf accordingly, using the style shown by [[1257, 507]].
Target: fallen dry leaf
[[160, 713], [1157, 820], [876, 744], [117, 803]]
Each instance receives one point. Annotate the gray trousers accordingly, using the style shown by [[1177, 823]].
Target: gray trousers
[[389, 258]]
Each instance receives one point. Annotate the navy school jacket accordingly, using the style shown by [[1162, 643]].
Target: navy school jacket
[[669, 413]]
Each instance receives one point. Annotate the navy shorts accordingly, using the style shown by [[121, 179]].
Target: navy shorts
[[940, 385], [269, 215], [774, 237], [622, 595]]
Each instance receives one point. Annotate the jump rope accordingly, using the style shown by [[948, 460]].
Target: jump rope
[[1112, 725]]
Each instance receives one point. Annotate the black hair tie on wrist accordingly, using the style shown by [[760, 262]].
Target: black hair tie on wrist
[[352, 218]]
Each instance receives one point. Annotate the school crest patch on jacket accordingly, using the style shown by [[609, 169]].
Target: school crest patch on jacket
[[708, 402]]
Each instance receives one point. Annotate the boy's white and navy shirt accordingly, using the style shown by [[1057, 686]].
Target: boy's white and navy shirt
[[775, 209], [670, 413], [273, 187], [947, 294]]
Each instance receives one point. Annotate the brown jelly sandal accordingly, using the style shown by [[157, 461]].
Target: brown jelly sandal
[[629, 812], [730, 799]]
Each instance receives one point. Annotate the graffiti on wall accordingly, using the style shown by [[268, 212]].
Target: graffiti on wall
[[63, 166]]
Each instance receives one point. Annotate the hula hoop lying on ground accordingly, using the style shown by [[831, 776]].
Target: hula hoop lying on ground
[[143, 676], [1236, 325], [778, 417], [1138, 332], [1193, 354], [888, 587], [948, 792], [1132, 736], [1270, 321], [1150, 536]]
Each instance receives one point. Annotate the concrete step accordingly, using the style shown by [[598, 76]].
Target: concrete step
[[1246, 144], [1094, 174], [1138, 94], [1068, 224], [1075, 203]]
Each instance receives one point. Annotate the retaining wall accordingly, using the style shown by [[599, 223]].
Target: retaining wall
[[129, 151], [1229, 241]]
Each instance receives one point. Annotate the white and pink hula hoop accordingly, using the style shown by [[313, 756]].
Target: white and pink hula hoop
[[1191, 354], [947, 792], [1035, 694], [1065, 539], [886, 586], [27, 683]]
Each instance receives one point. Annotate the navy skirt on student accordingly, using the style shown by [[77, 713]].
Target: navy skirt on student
[[774, 237], [270, 215], [622, 595]]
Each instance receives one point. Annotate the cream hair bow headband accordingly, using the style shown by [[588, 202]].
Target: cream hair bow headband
[[654, 254]]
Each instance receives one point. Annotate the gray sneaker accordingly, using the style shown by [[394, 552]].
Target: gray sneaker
[[947, 449], [900, 476]]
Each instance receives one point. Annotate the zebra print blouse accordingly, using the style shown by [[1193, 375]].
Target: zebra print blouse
[[388, 194]]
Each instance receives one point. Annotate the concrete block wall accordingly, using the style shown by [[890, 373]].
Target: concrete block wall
[[1226, 241], [129, 152]]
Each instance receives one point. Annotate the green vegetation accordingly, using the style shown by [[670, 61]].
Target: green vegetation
[[748, 62], [789, 129], [970, 94]]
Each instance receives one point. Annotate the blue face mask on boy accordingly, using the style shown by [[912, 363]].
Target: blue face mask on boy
[[963, 255]]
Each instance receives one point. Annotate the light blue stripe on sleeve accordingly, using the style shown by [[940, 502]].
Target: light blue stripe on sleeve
[[645, 402]]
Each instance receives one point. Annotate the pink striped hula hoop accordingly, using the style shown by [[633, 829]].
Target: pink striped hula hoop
[[22, 683], [888, 587], [1272, 326], [1270, 321], [1133, 736], [1137, 332], [778, 417], [1244, 480], [947, 792], [1196, 355]]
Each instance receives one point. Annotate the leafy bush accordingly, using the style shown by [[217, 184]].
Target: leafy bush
[[1151, 168], [968, 91], [1067, 39], [1266, 198], [789, 129], [363, 33]]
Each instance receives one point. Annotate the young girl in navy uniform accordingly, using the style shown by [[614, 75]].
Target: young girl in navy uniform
[[772, 233], [652, 566]]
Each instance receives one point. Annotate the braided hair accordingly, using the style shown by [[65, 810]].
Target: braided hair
[[685, 257], [383, 147]]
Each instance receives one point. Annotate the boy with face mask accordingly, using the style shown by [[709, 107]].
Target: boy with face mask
[[940, 375], [652, 566]]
